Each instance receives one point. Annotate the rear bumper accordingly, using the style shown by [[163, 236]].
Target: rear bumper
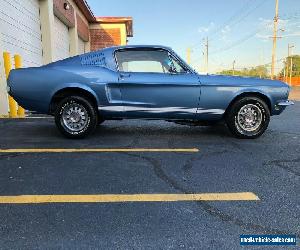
[[8, 89]]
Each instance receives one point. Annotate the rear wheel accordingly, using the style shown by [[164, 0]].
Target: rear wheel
[[76, 117], [248, 117]]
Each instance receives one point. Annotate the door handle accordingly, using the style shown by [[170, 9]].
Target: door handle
[[124, 75]]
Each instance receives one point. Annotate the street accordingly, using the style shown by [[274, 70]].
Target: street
[[267, 167]]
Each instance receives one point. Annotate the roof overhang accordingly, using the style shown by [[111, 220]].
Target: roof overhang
[[86, 10], [126, 20]]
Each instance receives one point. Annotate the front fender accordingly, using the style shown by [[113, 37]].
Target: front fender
[[260, 91], [273, 94]]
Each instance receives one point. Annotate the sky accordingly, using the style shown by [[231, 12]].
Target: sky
[[237, 30]]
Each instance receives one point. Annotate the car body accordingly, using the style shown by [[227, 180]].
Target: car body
[[145, 82]]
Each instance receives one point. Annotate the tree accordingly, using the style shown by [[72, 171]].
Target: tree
[[258, 71], [296, 66]]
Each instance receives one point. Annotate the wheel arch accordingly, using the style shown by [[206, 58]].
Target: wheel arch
[[61, 93], [260, 95]]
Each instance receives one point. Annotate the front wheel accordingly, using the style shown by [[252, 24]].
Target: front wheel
[[76, 117], [248, 117]]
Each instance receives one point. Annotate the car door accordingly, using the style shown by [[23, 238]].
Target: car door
[[154, 84]]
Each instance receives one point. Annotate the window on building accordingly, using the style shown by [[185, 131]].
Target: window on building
[[148, 61]]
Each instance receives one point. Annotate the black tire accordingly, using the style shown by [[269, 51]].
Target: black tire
[[261, 110], [88, 116]]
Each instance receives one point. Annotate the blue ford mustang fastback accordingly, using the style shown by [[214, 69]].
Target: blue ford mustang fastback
[[145, 82]]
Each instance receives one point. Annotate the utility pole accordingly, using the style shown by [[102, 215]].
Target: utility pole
[[206, 58], [274, 40], [291, 64], [291, 70], [188, 55], [286, 69], [233, 64], [261, 62]]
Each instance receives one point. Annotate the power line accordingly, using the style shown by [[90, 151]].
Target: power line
[[231, 21], [238, 42], [290, 16], [241, 18], [236, 14]]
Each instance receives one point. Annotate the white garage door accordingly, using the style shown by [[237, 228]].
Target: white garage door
[[81, 49], [20, 30], [62, 40]]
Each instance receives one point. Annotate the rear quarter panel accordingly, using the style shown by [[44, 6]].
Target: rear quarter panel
[[33, 88]]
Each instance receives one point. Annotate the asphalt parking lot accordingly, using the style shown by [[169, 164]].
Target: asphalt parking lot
[[267, 167]]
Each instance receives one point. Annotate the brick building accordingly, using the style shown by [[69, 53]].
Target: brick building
[[108, 31]]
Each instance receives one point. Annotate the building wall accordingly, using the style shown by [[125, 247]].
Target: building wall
[[3, 94], [81, 46], [106, 35], [82, 28], [76, 22], [32, 22], [102, 38], [20, 29], [66, 16], [61, 40]]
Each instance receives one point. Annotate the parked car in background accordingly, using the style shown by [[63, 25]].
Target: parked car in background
[[144, 82]]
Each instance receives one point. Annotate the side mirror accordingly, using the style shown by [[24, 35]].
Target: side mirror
[[172, 69]]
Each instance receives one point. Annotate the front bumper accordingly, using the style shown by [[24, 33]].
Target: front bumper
[[280, 106], [285, 103]]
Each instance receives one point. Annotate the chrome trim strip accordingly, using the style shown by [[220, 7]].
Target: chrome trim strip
[[285, 103], [117, 108]]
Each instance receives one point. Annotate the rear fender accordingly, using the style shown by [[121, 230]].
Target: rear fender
[[75, 85]]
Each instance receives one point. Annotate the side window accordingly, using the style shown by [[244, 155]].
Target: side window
[[147, 61]]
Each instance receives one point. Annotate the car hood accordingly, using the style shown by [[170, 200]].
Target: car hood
[[239, 81]]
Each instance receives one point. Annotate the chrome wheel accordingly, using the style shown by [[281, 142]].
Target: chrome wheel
[[74, 117], [249, 117]]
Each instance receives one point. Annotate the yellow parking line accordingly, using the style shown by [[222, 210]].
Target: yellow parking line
[[95, 150], [110, 198], [26, 117]]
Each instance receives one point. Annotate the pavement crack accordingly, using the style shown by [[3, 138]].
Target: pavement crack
[[189, 163], [204, 205], [157, 168], [283, 132], [282, 164], [6, 156], [248, 226]]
